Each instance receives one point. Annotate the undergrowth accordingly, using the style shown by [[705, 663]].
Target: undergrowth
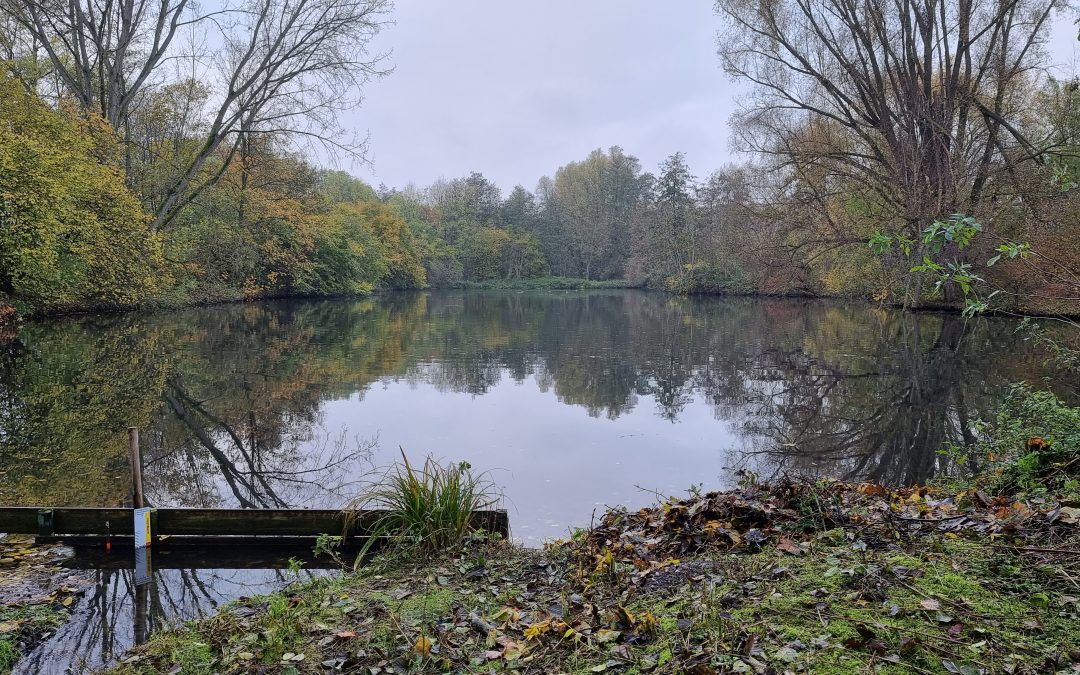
[[1031, 446], [544, 284]]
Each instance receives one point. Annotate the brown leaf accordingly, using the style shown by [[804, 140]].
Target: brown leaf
[[872, 490], [9, 626], [788, 546]]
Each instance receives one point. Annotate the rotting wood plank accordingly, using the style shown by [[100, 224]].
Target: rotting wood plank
[[83, 521]]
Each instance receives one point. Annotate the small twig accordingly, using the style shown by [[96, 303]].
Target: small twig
[[929, 520], [1034, 549]]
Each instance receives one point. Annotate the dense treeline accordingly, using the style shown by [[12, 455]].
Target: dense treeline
[[126, 183]]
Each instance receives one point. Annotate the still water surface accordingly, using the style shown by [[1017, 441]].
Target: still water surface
[[573, 400]]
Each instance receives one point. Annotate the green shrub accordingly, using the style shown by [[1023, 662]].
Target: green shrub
[[702, 278], [1034, 443]]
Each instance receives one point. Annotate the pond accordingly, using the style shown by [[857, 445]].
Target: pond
[[572, 400]]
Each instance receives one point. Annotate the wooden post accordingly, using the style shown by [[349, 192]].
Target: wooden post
[[136, 467]]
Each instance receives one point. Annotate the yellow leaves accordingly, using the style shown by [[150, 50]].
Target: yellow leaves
[[422, 647], [647, 623], [536, 630], [605, 562], [507, 615], [74, 234]]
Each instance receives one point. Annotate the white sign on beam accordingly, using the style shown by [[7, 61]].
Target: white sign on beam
[[142, 528]]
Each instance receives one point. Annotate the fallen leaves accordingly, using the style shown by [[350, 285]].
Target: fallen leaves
[[730, 575], [422, 647], [788, 546]]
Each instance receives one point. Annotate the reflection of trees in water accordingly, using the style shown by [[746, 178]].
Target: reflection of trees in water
[[230, 397], [113, 615], [886, 420], [815, 387], [196, 449]]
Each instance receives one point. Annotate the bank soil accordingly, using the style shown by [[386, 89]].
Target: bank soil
[[36, 593], [794, 577]]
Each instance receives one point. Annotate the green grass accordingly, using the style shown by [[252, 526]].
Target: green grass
[[543, 284], [31, 622], [429, 509], [841, 607]]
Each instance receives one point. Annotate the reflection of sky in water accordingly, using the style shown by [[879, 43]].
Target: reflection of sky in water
[[269, 402], [555, 463]]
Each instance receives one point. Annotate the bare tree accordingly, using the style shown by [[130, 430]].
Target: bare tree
[[283, 67], [914, 103], [103, 51]]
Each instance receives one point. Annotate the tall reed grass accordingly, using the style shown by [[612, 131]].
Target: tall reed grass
[[429, 509]]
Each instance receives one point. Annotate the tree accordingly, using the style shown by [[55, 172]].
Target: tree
[[674, 201], [914, 105], [592, 202], [71, 234], [465, 203], [283, 69], [339, 187], [519, 209]]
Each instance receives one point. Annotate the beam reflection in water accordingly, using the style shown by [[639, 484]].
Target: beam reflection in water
[[115, 613]]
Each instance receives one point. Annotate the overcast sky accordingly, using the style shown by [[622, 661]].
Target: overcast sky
[[515, 89]]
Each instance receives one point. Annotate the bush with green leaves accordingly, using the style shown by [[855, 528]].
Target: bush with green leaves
[[1033, 444], [702, 278]]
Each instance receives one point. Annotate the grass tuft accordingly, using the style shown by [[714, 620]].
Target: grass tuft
[[429, 509]]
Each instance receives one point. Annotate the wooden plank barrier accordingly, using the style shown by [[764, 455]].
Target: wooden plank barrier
[[78, 525]]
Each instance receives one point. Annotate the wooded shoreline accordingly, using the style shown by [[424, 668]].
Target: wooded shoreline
[[11, 319]]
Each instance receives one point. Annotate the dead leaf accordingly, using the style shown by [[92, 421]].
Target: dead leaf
[[788, 546], [605, 635], [422, 646], [1069, 515]]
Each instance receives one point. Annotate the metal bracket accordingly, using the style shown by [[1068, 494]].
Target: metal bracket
[[45, 522]]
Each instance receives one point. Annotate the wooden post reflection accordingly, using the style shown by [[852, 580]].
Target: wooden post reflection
[[141, 612]]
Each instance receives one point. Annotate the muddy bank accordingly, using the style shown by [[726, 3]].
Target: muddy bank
[[36, 594]]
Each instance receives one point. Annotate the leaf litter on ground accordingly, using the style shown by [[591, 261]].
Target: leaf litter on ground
[[789, 577]]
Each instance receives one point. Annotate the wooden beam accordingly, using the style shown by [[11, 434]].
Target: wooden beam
[[77, 521]]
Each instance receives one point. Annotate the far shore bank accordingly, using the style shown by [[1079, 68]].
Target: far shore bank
[[10, 318]]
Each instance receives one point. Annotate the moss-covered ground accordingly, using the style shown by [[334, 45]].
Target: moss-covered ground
[[752, 581]]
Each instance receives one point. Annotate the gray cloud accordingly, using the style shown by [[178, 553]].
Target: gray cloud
[[516, 89]]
